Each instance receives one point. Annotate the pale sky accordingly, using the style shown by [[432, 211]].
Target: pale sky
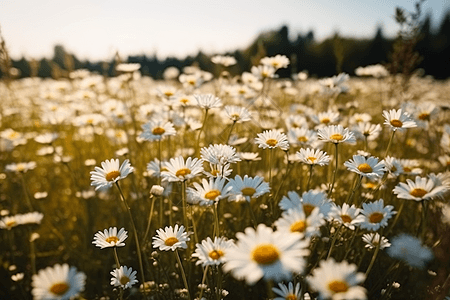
[[96, 29]]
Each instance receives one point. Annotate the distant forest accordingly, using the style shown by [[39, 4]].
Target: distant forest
[[322, 59]]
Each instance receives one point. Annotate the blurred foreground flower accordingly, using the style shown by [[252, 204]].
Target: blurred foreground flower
[[409, 249]]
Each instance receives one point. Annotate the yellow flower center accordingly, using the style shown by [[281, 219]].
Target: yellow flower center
[[346, 218], [337, 137], [13, 135], [325, 120], [308, 208], [272, 142], [112, 175], [171, 241], [241, 91], [112, 239], [10, 223], [291, 297], [302, 139], [396, 123], [338, 286], [158, 131], [265, 254], [184, 100], [183, 172], [20, 167], [119, 134], [124, 280], [370, 185], [365, 168], [191, 82], [248, 191], [424, 116], [298, 226], [168, 93], [90, 121], [215, 173], [419, 193], [59, 288], [376, 217], [212, 194], [215, 254], [312, 159]]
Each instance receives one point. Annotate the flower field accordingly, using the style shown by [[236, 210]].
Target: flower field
[[218, 187]]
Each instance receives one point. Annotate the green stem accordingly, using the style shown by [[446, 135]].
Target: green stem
[[197, 145], [216, 219], [183, 198], [374, 257], [231, 129], [397, 216], [310, 176], [335, 170], [150, 216], [205, 274], [183, 274], [355, 187], [252, 213], [389, 144], [334, 240], [116, 258]]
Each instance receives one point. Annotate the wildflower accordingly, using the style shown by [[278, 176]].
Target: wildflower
[[128, 67], [336, 134], [179, 170], [325, 118], [309, 201], [156, 130], [31, 218], [153, 168], [218, 171], [421, 189], [249, 156], [337, 280], [124, 277], [369, 167], [296, 121], [9, 222], [376, 71], [393, 166], [110, 173], [21, 167], [219, 154], [347, 215], [373, 239], [59, 282], [264, 253], [335, 84], [237, 114], [444, 160], [272, 139], [360, 118], [410, 166], [313, 157], [296, 221], [209, 192], [211, 252], [208, 101], [110, 238], [288, 292], [398, 120], [302, 137], [367, 131], [224, 60], [247, 188], [277, 62], [171, 238], [263, 71], [376, 215], [409, 249], [46, 138]]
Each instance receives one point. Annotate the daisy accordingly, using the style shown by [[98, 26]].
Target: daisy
[[410, 250], [313, 157], [296, 121], [9, 222], [376, 215], [153, 168], [110, 173], [347, 215], [237, 114], [124, 277], [398, 120], [110, 238], [179, 170], [209, 192], [393, 166], [184, 101], [367, 131], [263, 71], [166, 91], [277, 62], [410, 166], [211, 252], [421, 189], [373, 239], [366, 167], [59, 282], [46, 138], [156, 130], [336, 134], [309, 201], [444, 160], [21, 167], [325, 118], [296, 221], [264, 253], [249, 156], [224, 60], [247, 188], [360, 118], [128, 67], [208, 101], [32, 218], [171, 238], [302, 137], [337, 281], [219, 154], [376, 71], [272, 139], [218, 171], [288, 292], [424, 112]]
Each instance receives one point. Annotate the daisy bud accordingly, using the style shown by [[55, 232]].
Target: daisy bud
[[157, 190]]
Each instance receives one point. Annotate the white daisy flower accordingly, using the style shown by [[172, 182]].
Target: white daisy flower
[[372, 241], [21, 167], [309, 201], [272, 139], [9, 222], [325, 118], [296, 121], [128, 67], [337, 281], [157, 129], [398, 120], [296, 221], [277, 62], [110, 173], [153, 168], [210, 191], [288, 292], [171, 238], [366, 167], [179, 170], [124, 277], [336, 134], [237, 114], [31, 218], [263, 71], [208, 101], [224, 60], [393, 166], [264, 253], [376, 215], [110, 238], [247, 188], [249, 156], [444, 160], [421, 189], [313, 157], [347, 215], [46, 138], [410, 166], [302, 137], [360, 118], [409, 249], [211, 252], [59, 282], [219, 154], [366, 131]]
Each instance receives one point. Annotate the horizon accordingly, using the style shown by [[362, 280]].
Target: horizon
[[96, 30]]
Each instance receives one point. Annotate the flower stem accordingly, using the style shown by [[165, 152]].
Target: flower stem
[[374, 257], [183, 274], [197, 145], [310, 176], [183, 198], [335, 169], [149, 219], [205, 273], [231, 129], [252, 213], [116, 258], [216, 219], [389, 144], [334, 240]]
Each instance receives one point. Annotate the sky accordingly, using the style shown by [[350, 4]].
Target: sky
[[96, 29]]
